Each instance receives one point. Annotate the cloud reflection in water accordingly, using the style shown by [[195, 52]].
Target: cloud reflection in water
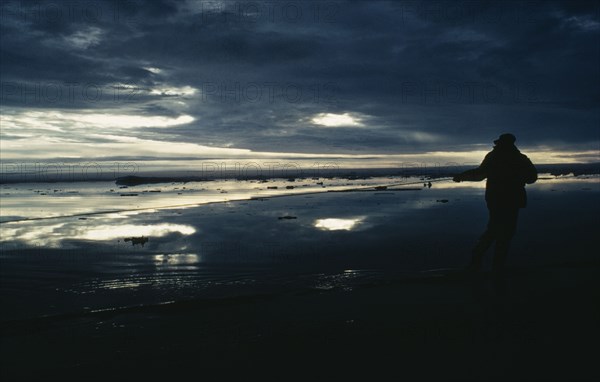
[[176, 259], [112, 232], [334, 224]]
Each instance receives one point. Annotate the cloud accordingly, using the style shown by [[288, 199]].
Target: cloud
[[336, 120], [344, 78], [174, 91], [86, 121], [84, 39]]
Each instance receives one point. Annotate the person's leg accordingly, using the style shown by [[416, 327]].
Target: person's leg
[[507, 225], [485, 241]]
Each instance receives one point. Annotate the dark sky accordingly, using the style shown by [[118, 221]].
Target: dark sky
[[224, 78]]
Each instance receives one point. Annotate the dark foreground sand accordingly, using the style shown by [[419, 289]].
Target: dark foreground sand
[[532, 325]]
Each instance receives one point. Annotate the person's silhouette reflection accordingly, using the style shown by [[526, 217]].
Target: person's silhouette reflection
[[507, 171]]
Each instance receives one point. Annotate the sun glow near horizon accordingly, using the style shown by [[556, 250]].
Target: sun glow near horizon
[[96, 134]]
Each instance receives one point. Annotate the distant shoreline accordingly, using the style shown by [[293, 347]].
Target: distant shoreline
[[51, 175]]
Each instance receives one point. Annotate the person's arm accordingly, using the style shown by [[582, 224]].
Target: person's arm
[[474, 175], [529, 172]]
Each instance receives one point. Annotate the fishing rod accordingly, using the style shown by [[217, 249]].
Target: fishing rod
[[386, 186]]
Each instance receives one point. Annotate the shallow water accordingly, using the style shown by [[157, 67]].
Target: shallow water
[[42, 200], [318, 241]]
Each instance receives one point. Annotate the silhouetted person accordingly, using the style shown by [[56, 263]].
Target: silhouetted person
[[507, 171]]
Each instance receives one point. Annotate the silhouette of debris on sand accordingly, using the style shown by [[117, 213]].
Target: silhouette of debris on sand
[[137, 240]]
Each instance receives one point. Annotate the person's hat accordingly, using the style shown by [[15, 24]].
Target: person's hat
[[505, 139]]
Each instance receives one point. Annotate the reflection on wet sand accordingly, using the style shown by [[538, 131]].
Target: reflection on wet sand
[[171, 259], [335, 240], [114, 232], [84, 199], [53, 235], [27, 201], [334, 224]]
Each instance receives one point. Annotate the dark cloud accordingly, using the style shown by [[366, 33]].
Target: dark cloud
[[423, 76]]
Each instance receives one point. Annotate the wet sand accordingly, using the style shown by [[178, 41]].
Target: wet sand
[[351, 285], [541, 326]]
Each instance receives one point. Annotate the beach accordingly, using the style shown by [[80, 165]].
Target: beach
[[299, 190], [347, 279]]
